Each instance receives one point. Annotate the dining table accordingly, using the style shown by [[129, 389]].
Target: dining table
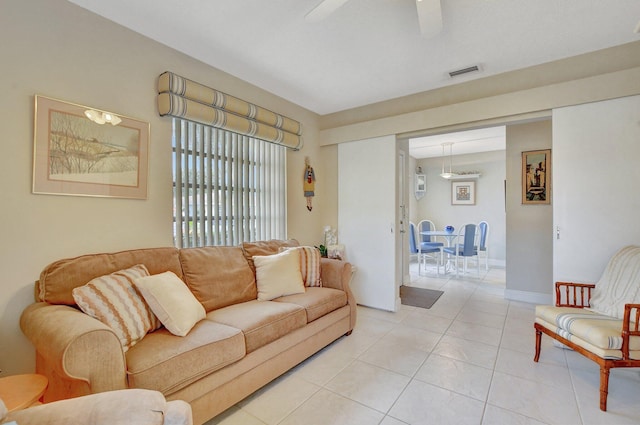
[[449, 236]]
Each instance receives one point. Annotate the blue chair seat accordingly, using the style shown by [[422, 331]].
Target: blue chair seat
[[429, 245]]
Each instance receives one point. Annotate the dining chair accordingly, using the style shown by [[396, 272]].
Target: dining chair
[[483, 247], [428, 244], [427, 241], [413, 248], [423, 251], [467, 249]]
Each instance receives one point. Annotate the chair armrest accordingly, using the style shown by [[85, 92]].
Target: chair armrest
[[135, 406], [337, 274], [80, 353], [570, 294], [630, 326]]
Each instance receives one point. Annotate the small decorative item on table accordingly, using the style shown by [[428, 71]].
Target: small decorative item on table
[[336, 251], [449, 229]]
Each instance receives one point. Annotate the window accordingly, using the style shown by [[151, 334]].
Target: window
[[228, 188]]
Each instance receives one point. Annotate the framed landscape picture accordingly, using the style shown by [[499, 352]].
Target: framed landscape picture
[[463, 193], [536, 177], [83, 151]]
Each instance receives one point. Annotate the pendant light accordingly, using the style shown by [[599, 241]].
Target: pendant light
[[449, 174]]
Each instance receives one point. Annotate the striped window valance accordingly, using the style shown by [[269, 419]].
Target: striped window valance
[[183, 98]]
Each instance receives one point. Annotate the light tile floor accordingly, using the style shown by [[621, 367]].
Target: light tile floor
[[467, 360]]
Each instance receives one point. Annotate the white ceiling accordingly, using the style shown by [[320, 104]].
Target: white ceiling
[[371, 50], [461, 143]]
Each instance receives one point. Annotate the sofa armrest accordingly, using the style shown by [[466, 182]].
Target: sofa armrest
[[136, 406], [570, 294], [337, 274], [78, 353]]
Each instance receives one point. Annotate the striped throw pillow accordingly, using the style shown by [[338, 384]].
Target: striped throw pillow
[[115, 301], [309, 265]]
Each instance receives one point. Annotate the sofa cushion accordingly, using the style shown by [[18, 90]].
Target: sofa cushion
[[58, 279], [167, 363], [218, 275], [317, 301], [261, 322], [601, 331], [114, 300], [171, 301], [278, 275], [270, 247]]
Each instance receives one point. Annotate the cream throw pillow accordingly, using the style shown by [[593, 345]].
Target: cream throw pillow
[[114, 301], [309, 264], [278, 275], [171, 300]]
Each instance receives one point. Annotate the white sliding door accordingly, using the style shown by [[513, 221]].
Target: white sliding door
[[596, 184], [367, 216]]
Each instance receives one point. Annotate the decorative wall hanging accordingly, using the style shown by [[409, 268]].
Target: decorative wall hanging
[[83, 151], [536, 177], [182, 98], [309, 182], [463, 193]]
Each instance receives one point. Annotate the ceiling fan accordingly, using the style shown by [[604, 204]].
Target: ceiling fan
[[429, 14]]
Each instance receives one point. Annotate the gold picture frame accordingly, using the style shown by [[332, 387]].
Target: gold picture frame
[[463, 193], [84, 151], [536, 177]]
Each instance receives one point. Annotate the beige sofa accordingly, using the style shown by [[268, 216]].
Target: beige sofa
[[241, 345]]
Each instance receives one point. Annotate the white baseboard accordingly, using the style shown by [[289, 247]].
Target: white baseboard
[[528, 297]]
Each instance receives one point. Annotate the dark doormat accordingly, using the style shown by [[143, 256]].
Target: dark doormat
[[419, 297]]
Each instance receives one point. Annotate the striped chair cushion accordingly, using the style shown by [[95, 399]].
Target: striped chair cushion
[[114, 300], [598, 330]]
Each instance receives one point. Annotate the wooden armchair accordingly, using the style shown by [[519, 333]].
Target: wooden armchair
[[611, 340]]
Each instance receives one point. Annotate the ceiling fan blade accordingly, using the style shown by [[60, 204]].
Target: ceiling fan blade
[[324, 9], [429, 17]]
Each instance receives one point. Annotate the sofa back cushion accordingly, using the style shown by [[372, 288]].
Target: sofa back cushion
[[261, 248], [58, 279], [218, 275]]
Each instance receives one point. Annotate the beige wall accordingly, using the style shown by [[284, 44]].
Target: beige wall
[[529, 227], [56, 49]]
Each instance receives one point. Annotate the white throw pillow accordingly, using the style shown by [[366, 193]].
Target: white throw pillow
[[309, 264], [171, 300], [278, 275]]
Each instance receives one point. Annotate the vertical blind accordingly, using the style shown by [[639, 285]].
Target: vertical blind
[[228, 188]]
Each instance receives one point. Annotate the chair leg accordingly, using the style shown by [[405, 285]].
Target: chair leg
[[538, 340], [604, 387], [486, 259]]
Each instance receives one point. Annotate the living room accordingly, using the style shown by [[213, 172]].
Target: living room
[[57, 49]]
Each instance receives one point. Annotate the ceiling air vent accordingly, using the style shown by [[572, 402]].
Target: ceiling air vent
[[456, 73]]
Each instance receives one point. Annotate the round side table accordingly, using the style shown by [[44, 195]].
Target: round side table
[[22, 391]]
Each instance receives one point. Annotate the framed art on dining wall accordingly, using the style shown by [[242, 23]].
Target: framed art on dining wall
[[536, 177], [463, 193], [84, 151]]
